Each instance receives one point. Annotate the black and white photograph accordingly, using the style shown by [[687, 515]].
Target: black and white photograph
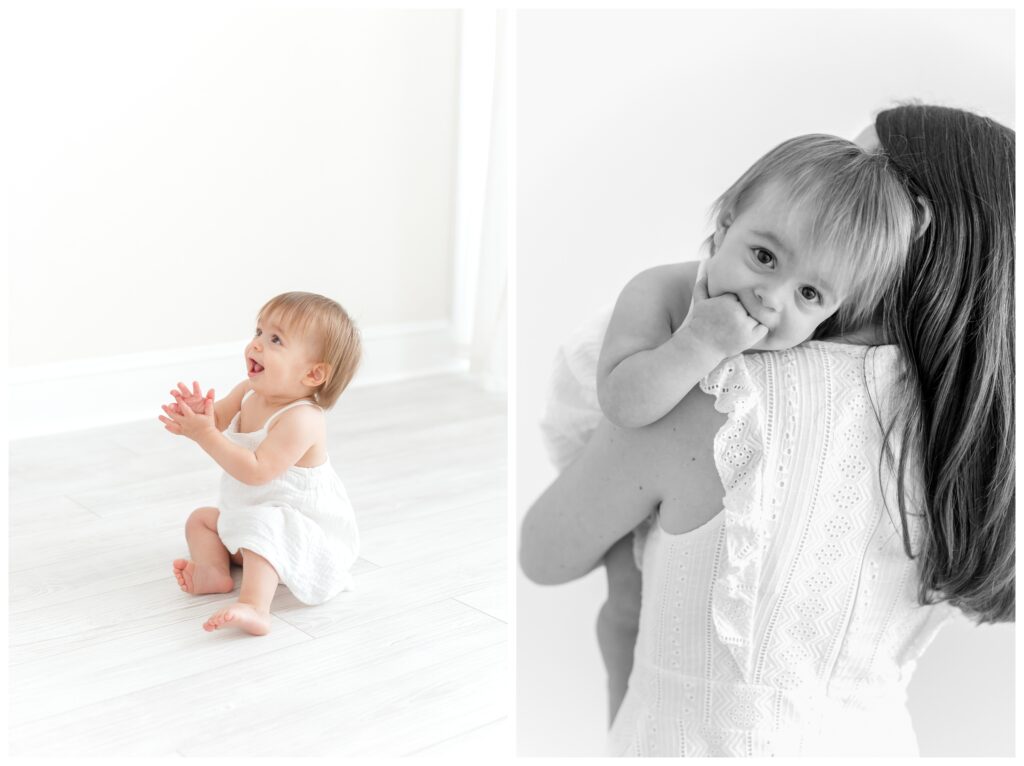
[[764, 383], [257, 383]]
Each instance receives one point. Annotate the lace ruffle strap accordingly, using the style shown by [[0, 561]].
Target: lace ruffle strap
[[739, 448]]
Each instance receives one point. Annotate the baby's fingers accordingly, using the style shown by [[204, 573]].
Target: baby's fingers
[[182, 406], [170, 425], [183, 409]]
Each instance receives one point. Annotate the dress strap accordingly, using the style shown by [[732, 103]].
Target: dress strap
[[286, 408]]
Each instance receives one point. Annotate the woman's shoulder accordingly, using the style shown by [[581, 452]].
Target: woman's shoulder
[[876, 360], [826, 351], [823, 370]]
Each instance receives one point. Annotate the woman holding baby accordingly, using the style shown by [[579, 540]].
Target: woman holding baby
[[814, 515]]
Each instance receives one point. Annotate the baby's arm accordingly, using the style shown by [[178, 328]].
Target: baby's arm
[[618, 622], [646, 367], [286, 442], [656, 349]]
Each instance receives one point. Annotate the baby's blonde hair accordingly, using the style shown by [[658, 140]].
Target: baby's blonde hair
[[336, 337], [859, 205]]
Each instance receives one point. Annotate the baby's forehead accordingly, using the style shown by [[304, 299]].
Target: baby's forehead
[[284, 324], [294, 329], [782, 198], [272, 322]]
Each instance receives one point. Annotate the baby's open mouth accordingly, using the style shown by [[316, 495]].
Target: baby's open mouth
[[255, 366]]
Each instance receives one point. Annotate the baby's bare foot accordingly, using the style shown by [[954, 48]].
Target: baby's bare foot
[[242, 616], [198, 579]]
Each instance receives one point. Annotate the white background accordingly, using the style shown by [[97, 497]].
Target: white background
[[629, 125], [177, 166], [172, 166]]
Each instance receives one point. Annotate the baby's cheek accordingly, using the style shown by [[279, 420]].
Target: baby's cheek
[[712, 274]]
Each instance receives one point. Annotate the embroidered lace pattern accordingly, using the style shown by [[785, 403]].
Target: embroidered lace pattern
[[789, 623]]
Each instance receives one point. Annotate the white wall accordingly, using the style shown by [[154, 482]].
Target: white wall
[[176, 165], [629, 125]]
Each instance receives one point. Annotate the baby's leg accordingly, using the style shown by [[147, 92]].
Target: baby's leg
[[252, 612], [619, 620], [209, 571]]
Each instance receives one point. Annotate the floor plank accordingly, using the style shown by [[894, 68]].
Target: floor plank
[[244, 695], [108, 656]]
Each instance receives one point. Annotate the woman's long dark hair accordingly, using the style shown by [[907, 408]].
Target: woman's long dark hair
[[951, 314]]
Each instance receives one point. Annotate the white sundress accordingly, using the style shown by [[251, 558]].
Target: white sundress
[[302, 521], [789, 623]]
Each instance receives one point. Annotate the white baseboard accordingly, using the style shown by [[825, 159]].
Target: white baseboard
[[91, 393]]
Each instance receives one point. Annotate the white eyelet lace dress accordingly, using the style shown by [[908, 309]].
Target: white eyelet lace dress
[[302, 521], [789, 623]]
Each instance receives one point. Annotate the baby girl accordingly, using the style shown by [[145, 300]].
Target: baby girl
[[283, 513]]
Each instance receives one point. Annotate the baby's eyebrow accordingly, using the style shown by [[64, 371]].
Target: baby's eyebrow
[[274, 328], [773, 240]]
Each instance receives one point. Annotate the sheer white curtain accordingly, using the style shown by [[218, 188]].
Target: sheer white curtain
[[481, 288]]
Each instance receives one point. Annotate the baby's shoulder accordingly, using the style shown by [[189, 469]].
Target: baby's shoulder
[[668, 276], [673, 280], [301, 417], [669, 286]]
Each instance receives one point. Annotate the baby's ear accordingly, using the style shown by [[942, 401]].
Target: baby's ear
[[721, 226], [717, 237], [317, 374]]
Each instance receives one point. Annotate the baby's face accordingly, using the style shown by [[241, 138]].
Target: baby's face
[[766, 259], [278, 359]]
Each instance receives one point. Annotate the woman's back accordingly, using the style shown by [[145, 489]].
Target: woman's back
[[789, 623]]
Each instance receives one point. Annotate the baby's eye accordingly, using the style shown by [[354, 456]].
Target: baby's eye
[[764, 257], [809, 293], [274, 339]]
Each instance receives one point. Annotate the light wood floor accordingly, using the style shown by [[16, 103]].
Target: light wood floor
[[108, 656]]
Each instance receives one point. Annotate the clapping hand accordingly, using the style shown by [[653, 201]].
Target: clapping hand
[[191, 414], [193, 398]]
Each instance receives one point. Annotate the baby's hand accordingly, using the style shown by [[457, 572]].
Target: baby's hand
[[183, 420], [193, 398], [720, 323]]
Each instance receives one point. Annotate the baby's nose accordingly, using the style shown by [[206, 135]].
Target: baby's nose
[[769, 297]]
